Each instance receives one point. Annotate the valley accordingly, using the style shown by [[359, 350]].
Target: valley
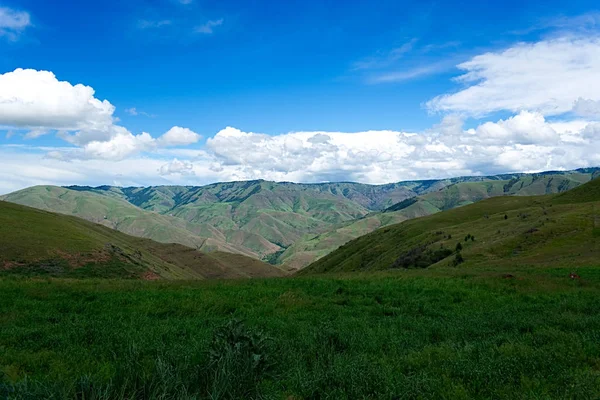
[[286, 224]]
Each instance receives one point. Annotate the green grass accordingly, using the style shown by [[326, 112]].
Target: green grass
[[404, 334]]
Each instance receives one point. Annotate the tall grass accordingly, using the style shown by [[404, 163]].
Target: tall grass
[[236, 363], [459, 333]]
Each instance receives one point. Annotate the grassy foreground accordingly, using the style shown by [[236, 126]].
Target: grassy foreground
[[445, 333]]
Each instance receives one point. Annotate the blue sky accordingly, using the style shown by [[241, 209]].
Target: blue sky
[[377, 80]]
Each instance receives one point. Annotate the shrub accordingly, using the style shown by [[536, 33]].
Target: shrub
[[420, 257], [238, 361], [458, 247], [458, 259]]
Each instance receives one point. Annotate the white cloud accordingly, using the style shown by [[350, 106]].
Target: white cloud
[[133, 111], [587, 108], [177, 167], [122, 144], [35, 133], [387, 156], [119, 147], [147, 24], [13, 23], [410, 73], [36, 99], [208, 27], [547, 77], [524, 142], [39, 102], [524, 128], [178, 136]]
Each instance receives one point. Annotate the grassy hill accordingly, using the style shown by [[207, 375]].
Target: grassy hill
[[535, 231], [116, 213], [457, 194], [34, 242], [283, 223]]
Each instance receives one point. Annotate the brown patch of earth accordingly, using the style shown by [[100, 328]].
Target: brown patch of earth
[[150, 276]]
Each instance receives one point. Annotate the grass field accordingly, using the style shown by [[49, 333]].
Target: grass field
[[446, 333]]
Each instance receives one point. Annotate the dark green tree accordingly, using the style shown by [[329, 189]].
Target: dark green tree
[[458, 259]]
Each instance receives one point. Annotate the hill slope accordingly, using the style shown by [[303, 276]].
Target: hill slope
[[311, 248], [117, 213], [38, 242], [284, 223], [536, 231]]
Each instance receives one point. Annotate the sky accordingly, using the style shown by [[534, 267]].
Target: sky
[[190, 92]]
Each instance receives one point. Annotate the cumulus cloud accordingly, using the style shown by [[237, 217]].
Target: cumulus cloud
[[123, 144], [524, 142], [39, 102], [587, 108], [37, 99], [178, 136], [387, 156], [546, 77], [209, 26], [177, 167], [524, 128], [13, 23]]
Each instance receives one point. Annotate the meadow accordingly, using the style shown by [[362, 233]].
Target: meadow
[[460, 333]]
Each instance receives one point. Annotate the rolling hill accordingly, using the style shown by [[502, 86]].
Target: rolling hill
[[283, 223], [460, 193], [550, 230], [34, 242]]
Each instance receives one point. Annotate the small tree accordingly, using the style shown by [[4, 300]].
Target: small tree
[[458, 259], [458, 247], [505, 216]]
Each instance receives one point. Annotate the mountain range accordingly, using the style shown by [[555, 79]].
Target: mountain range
[[284, 223]]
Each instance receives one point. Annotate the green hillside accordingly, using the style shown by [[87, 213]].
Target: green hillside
[[283, 223], [533, 231], [34, 242], [311, 248], [116, 213]]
